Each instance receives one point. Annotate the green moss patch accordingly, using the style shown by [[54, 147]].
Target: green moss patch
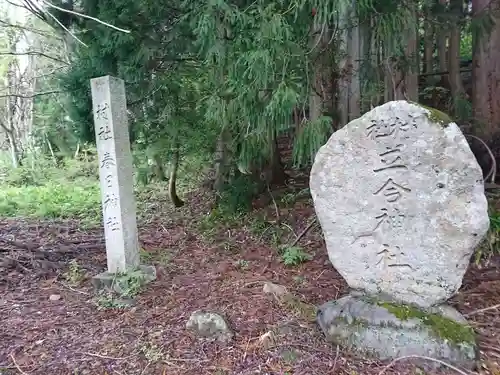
[[443, 327], [436, 115]]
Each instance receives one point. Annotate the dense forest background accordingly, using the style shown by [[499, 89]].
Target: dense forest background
[[237, 85], [228, 102]]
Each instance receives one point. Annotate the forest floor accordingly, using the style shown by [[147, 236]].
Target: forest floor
[[52, 322]]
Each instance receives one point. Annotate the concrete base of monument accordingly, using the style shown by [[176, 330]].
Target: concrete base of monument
[[124, 281], [387, 330]]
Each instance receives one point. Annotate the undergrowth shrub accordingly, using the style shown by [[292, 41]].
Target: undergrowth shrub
[[40, 188], [491, 244], [294, 255], [52, 200], [237, 196]]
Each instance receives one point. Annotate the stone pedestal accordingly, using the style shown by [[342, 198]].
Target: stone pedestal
[[115, 281], [386, 330]]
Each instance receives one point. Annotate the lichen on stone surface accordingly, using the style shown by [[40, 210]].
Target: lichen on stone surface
[[441, 326], [436, 115]]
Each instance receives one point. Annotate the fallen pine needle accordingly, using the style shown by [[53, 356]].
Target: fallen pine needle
[[108, 357], [74, 290], [185, 360], [17, 366], [483, 310], [335, 360], [422, 357]]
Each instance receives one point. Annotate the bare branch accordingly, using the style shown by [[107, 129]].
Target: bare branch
[[29, 29], [38, 10], [5, 128], [84, 16], [31, 96], [65, 28], [33, 53]]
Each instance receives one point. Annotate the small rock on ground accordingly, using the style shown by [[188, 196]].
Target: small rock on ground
[[209, 325], [275, 289]]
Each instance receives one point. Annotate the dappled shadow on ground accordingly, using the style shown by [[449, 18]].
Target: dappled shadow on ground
[[50, 326]]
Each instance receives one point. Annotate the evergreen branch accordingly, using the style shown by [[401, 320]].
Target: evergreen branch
[[145, 96], [33, 53]]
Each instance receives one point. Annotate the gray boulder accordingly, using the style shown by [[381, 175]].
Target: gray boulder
[[386, 330], [400, 199]]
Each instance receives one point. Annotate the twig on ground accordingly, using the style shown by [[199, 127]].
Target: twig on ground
[[108, 357], [290, 229], [487, 347], [302, 234], [335, 360], [422, 357], [274, 203], [185, 360], [17, 366], [246, 350], [482, 310], [145, 368], [73, 289], [20, 245]]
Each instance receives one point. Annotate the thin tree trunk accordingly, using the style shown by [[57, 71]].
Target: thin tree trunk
[[173, 179], [221, 161], [354, 51], [54, 160], [411, 76], [456, 85], [486, 73], [442, 38], [428, 45], [159, 171], [277, 170], [345, 67], [14, 152]]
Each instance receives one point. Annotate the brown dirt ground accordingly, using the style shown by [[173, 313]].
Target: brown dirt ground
[[71, 335]]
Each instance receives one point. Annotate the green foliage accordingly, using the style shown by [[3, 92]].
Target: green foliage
[[75, 273], [39, 188], [242, 264], [491, 244], [129, 284], [126, 286], [294, 255], [52, 200], [312, 136], [237, 196], [107, 300], [466, 45]]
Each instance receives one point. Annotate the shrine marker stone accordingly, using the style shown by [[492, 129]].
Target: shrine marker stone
[[115, 173], [400, 199], [117, 186]]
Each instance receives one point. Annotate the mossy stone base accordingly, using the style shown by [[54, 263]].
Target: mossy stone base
[[386, 330], [120, 283]]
